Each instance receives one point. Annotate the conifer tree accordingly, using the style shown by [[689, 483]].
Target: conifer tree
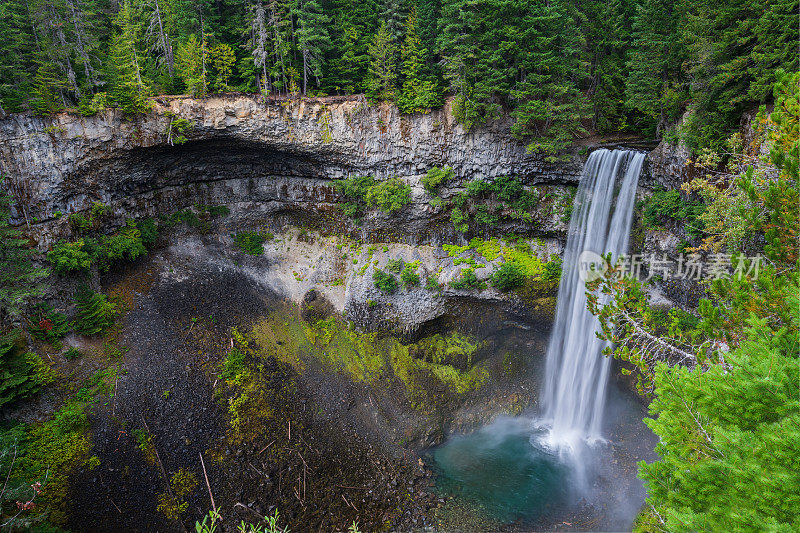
[[418, 93], [313, 39], [129, 87], [382, 67], [191, 61], [19, 279], [654, 59]]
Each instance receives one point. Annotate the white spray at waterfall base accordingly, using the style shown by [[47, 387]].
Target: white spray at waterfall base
[[576, 372]]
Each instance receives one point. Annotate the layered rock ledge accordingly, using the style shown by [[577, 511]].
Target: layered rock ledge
[[267, 155]]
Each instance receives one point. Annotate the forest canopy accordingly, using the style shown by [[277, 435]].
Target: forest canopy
[[557, 66]]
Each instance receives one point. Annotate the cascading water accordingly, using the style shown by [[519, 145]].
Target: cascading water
[[538, 470], [576, 371]]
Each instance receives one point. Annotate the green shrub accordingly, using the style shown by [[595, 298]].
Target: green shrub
[[669, 205], [508, 276], [436, 177], [179, 217], [552, 270], [232, 365], [124, 245], [17, 377], [95, 312], [383, 281], [389, 195], [72, 353], [148, 230], [394, 265], [364, 191], [432, 283], [459, 219], [468, 280], [409, 275], [217, 210], [47, 324], [78, 222], [68, 257], [250, 242]]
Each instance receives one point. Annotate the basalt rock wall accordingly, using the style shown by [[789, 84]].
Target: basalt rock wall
[[260, 155]]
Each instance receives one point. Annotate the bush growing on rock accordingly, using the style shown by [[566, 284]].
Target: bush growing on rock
[[508, 276], [468, 280], [69, 257], [409, 275], [394, 265], [552, 270], [47, 324], [250, 242], [436, 177], [383, 281], [389, 196]]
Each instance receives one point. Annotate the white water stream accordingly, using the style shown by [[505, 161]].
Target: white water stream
[[576, 373]]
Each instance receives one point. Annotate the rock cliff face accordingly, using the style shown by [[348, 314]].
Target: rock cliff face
[[265, 156]]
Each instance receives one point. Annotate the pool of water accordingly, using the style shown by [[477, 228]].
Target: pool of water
[[506, 472], [503, 469]]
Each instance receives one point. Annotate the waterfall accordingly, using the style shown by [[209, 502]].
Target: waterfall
[[577, 372]]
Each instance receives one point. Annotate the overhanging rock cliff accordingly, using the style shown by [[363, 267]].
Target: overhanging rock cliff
[[262, 155]]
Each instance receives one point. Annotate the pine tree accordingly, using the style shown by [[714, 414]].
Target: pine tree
[[654, 60], [418, 93], [313, 39], [548, 105], [129, 87], [354, 24], [19, 279], [191, 61], [382, 67]]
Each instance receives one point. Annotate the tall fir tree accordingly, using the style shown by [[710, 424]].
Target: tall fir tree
[[653, 84], [418, 91], [129, 86], [313, 39], [382, 66]]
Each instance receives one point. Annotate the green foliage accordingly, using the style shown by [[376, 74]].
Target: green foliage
[[395, 265], [72, 353], [173, 502], [664, 205], [468, 280], [69, 257], [251, 243], [389, 195], [436, 177], [148, 230], [47, 325], [19, 279], [419, 92], [382, 65], [552, 270], [384, 282], [508, 276], [409, 275], [103, 252], [232, 365], [95, 312], [92, 104], [432, 283], [364, 191], [17, 376]]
